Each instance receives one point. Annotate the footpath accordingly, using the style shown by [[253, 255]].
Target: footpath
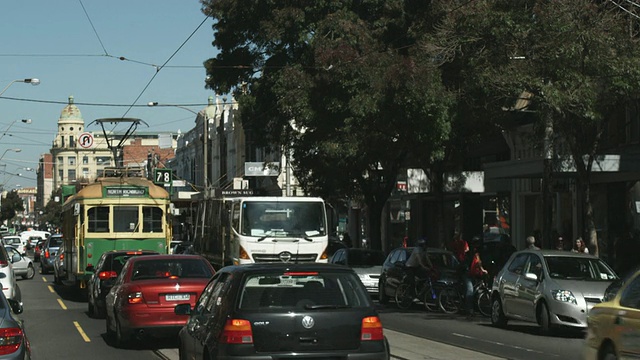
[[403, 347]]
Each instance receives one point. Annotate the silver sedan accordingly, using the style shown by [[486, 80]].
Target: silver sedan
[[23, 267], [548, 287]]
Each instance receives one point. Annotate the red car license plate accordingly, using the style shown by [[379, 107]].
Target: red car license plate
[[177, 297]]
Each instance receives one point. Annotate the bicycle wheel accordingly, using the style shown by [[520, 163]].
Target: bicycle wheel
[[484, 303], [449, 300], [404, 298], [430, 298]]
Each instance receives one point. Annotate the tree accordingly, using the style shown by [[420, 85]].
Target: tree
[[11, 204], [52, 214], [579, 60], [341, 85]]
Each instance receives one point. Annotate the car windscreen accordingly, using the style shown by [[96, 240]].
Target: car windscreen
[[55, 242], [366, 258], [170, 268], [303, 290], [579, 268], [443, 260]]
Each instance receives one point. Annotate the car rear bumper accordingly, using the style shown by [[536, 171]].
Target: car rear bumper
[[141, 317], [375, 350]]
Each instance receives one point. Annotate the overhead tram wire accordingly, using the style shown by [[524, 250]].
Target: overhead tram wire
[[93, 27], [162, 66]]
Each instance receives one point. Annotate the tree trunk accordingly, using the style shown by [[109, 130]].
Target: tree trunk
[[589, 222]]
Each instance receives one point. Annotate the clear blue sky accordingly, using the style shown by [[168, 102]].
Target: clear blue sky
[[55, 41]]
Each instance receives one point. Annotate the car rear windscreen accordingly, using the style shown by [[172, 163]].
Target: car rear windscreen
[[308, 290], [170, 268]]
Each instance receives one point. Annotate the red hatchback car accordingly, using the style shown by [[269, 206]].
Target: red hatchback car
[[142, 299]]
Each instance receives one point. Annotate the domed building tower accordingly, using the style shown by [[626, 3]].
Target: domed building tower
[[74, 154]]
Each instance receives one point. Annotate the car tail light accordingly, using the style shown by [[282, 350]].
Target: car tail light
[[237, 331], [135, 298], [62, 256], [371, 329], [10, 340], [106, 275], [3, 263]]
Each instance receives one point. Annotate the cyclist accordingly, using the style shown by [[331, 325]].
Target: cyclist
[[473, 270], [418, 265]]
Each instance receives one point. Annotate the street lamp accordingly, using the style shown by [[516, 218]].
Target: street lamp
[[10, 149], [32, 81], [25, 121], [205, 136]]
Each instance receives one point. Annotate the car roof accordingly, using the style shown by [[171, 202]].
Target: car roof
[[549, 252], [266, 267], [166, 257], [109, 252]]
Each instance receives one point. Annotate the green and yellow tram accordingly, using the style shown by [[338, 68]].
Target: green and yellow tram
[[113, 213]]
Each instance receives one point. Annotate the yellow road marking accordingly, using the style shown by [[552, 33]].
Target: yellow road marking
[[51, 288], [82, 333], [44, 279], [62, 305]]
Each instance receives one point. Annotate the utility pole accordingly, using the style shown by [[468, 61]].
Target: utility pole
[[547, 184]]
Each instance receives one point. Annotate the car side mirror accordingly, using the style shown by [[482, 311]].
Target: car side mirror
[[16, 258], [16, 306], [531, 276]]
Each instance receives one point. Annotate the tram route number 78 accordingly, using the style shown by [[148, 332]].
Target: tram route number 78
[[162, 176]]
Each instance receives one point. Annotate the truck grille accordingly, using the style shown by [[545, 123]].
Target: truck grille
[[284, 257]]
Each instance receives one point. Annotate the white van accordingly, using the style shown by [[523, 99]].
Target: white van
[[26, 235]]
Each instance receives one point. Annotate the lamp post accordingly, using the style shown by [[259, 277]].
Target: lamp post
[[25, 121], [205, 140], [10, 149], [32, 81]]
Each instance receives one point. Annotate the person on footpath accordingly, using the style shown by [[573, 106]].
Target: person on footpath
[[531, 243], [580, 246], [560, 243]]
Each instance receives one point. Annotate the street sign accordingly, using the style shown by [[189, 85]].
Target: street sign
[[162, 176]]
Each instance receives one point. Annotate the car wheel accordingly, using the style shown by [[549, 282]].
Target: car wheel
[[545, 320], [122, 338], [608, 352], [91, 309], [31, 272], [110, 333], [497, 313], [383, 298]]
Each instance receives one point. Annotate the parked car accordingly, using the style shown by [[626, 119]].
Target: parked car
[[49, 252], [7, 275], [59, 270], [549, 287], [612, 326], [14, 343], [142, 299], [256, 311], [393, 269], [366, 263], [37, 250], [104, 276], [23, 267], [15, 242]]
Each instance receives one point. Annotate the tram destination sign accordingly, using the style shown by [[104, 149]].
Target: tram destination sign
[[126, 191]]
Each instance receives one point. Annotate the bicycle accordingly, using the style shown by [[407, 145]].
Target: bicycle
[[451, 299], [424, 291]]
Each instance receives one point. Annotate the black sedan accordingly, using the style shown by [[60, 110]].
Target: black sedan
[[393, 269], [256, 311]]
